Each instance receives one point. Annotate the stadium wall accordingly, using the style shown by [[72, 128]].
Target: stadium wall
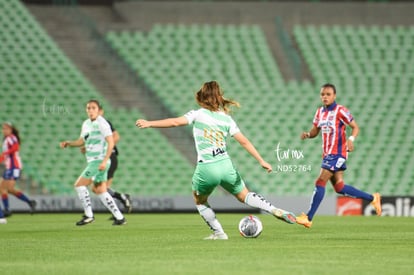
[[170, 204], [394, 206]]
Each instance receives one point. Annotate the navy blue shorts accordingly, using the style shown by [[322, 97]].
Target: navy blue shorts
[[11, 174], [334, 163]]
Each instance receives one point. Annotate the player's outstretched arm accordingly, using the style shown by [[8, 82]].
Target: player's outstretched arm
[[311, 134], [163, 123], [249, 147], [74, 143]]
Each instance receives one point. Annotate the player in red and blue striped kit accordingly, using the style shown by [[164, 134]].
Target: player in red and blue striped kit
[[331, 120], [13, 165]]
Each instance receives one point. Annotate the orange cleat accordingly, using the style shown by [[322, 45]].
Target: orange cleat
[[303, 220], [376, 203]]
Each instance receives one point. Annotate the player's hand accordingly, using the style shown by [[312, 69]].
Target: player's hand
[[350, 145], [266, 166], [142, 123], [64, 144], [83, 149], [102, 166], [304, 135]]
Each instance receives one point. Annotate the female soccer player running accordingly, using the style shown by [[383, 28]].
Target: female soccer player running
[[96, 135], [13, 163], [211, 125], [332, 119], [123, 198]]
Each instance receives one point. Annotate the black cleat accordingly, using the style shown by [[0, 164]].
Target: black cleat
[[119, 222], [85, 220], [32, 205], [126, 201]]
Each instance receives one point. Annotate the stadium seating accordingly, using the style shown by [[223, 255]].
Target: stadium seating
[[175, 60], [371, 64], [44, 94]]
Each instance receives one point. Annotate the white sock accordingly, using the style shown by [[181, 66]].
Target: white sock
[[257, 201], [210, 218], [85, 199], [109, 203]]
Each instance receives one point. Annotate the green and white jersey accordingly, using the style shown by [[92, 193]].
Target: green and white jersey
[[94, 134], [210, 130]]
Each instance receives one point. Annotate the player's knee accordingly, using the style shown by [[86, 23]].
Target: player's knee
[[99, 188], [199, 199], [320, 182], [200, 202], [339, 186], [241, 196], [94, 190]]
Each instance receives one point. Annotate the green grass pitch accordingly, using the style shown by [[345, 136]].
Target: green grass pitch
[[173, 244]]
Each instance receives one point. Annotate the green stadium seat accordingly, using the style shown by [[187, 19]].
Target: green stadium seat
[[371, 62], [50, 88]]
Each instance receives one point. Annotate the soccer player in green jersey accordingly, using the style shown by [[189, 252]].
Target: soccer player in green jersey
[[211, 125], [123, 198], [97, 137]]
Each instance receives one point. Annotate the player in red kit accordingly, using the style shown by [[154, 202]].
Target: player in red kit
[[13, 164], [331, 120]]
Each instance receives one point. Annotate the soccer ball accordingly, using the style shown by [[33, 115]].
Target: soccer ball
[[250, 227]]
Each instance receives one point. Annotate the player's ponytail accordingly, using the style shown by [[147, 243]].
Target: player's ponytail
[[227, 103], [210, 96], [15, 132]]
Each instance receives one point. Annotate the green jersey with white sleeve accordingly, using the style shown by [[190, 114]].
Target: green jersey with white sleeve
[[210, 130], [94, 134]]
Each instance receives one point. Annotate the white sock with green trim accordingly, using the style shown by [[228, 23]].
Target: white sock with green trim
[[257, 201], [85, 199], [210, 217], [109, 203]]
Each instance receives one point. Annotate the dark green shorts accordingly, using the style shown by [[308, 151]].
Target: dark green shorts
[[208, 176]]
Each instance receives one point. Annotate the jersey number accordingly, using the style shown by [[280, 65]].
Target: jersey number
[[215, 137]]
